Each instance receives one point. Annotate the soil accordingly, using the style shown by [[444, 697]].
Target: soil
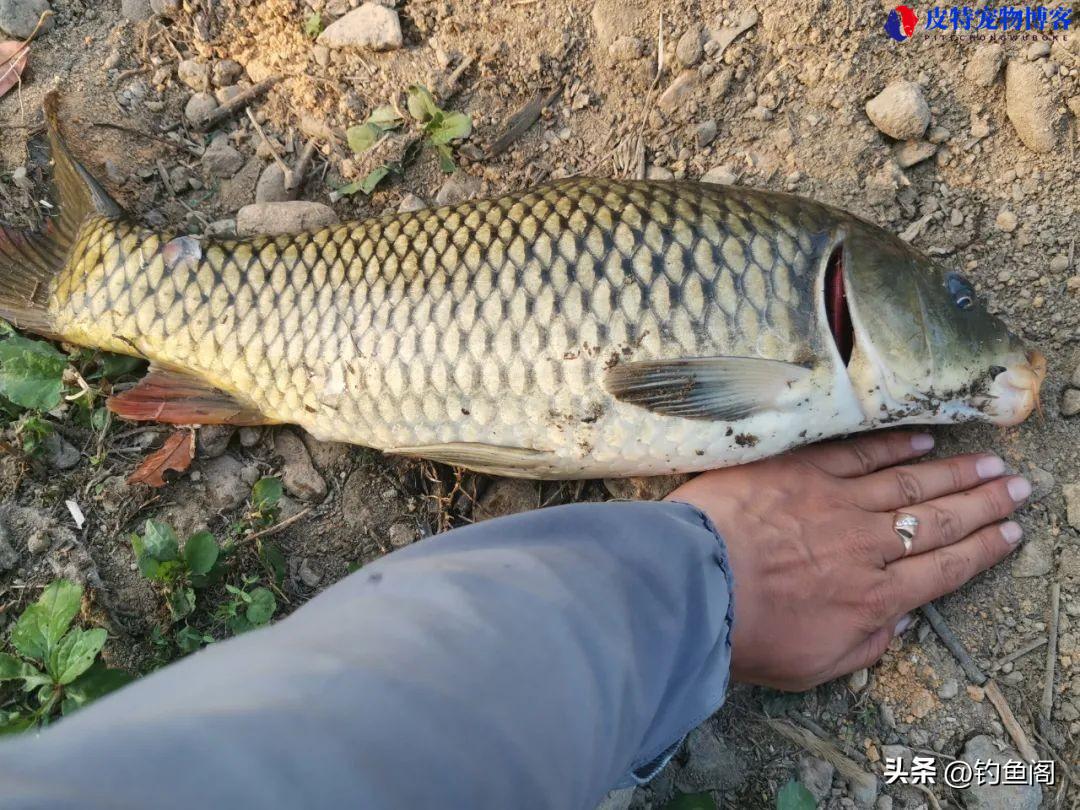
[[780, 106]]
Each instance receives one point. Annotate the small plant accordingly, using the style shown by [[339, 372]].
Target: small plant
[[250, 607], [437, 127], [31, 371], [160, 559], [265, 500], [313, 25], [31, 431], [57, 664]]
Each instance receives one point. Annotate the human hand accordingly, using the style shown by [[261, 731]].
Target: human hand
[[822, 583]]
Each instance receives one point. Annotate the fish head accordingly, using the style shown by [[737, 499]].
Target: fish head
[[924, 347]]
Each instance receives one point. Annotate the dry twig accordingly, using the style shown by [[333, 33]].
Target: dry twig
[[234, 105], [1047, 708]]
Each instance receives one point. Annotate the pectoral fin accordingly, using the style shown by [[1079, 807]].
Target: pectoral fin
[[516, 462], [712, 388], [181, 399]]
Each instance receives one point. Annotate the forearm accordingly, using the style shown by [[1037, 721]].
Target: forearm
[[530, 661]]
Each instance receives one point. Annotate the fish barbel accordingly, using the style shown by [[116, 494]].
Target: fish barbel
[[582, 328]]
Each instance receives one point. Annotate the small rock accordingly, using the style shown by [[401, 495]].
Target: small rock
[[226, 72], [220, 158], [194, 74], [981, 750], [309, 573], [689, 48], [274, 218], [321, 55], [1042, 482], [166, 8], [644, 488], [136, 10], [59, 453], [858, 680], [19, 17], [711, 763], [401, 534], [459, 186], [658, 173], [299, 475], [225, 487], [251, 474], [1074, 381], [507, 496], [816, 775], [1072, 503], [884, 802], [1070, 403], [9, 557], [239, 190], [938, 135], [226, 94], [722, 175], [1037, 50], [410, 202], [250, 436], [949, 689], [985, 64], [864, 791], [1059, 264], [980, 128], [1006, 220], [626, 49], [36, 530], [976, 693], [271, 185], [678, 92], [705, 133], [911, 152], [213, 440], [199, 106], [327, 456], [1034, 559], [1030, 105], [370, 26], [900, 111], [223, 228]]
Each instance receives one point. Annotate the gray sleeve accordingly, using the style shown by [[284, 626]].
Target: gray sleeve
[[534, 661]]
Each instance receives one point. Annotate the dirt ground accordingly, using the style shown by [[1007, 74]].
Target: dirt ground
[[772, 96]]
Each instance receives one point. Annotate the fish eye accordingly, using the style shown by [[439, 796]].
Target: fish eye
[[963, 294], [995, 370]]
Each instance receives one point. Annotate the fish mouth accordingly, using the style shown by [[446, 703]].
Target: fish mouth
[[837, 311], [1014, 393]]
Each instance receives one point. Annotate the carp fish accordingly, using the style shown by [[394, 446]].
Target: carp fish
[[585, 327]]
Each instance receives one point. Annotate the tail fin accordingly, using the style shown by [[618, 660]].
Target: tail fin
[[30, 259]]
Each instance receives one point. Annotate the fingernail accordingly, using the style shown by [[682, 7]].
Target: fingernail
[[1019, 489], [989, 467], [922, 442], [903, 624], [1011, 531]]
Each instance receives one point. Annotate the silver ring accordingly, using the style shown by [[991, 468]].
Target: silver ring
[[905, 525]]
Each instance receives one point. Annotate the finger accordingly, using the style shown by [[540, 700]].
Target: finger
[[873, 646], [910, 484], [866, 454], [924, 577], [947, 520]]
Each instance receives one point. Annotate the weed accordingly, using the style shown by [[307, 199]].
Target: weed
[[56, 663], [249, 607], [158, 554], [313, 25]]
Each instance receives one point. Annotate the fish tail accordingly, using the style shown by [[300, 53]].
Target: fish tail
[[30, 259]]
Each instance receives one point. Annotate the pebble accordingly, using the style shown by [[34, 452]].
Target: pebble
[[816, 775], [711, 763], [507, 496], [166, 8], [213, 440], [401, 534], [1059, 264], [1034, 559], [226, 94], [949, 689], [9, 557], [251, 474], [309, 573], [225, 487], [911, 152], [864, 791], [410, 202], [985, 64], [982, 749], [1006, 220], [271, 185], [1037, 50], [723, 175], [298, 474], [626, 49], [858, 680], [1072, 503], [459, 186], [239, 190], [224, 228], [689, 48], [221, 159], [250, 436], [677, 93], [136, 10], [1042, 482], [371, 26], [1030, 106], [194, 74], [275, 218], [900, 111], [19, 17], [59, 452], [980, 128], [199, 106], [1070, 403], [658, 173], [884, 802], [705, 133], [227, 72]]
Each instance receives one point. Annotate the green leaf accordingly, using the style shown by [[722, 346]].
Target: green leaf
[[262, 607], [181, 602], [188, 639], [114, 366], [446, 159], [96, 682], [160, 541], [44, 623], [12, 668], [14, 722], [266, 493], [385, 117], [274, 559], [794, 796], [31, 373], [200, 552], [313, 24], [362, 137], [75, 653], [421, 104], [691, 801], [374, 177], [454, 125]]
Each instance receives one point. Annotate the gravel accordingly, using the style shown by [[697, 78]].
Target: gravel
[[1005, 220], [274, 218], [678, 92], [723, 175], [816, 775], [271, 185], [199, 106], [996, 797], [909, 153], [1072, 503], [900, 111], [458, 187], [194, 74], [985, 64], [1034, 559], [1030, 105], [689, 49], [59, 452], [221, 159], [1070, 403], [371, 26]]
